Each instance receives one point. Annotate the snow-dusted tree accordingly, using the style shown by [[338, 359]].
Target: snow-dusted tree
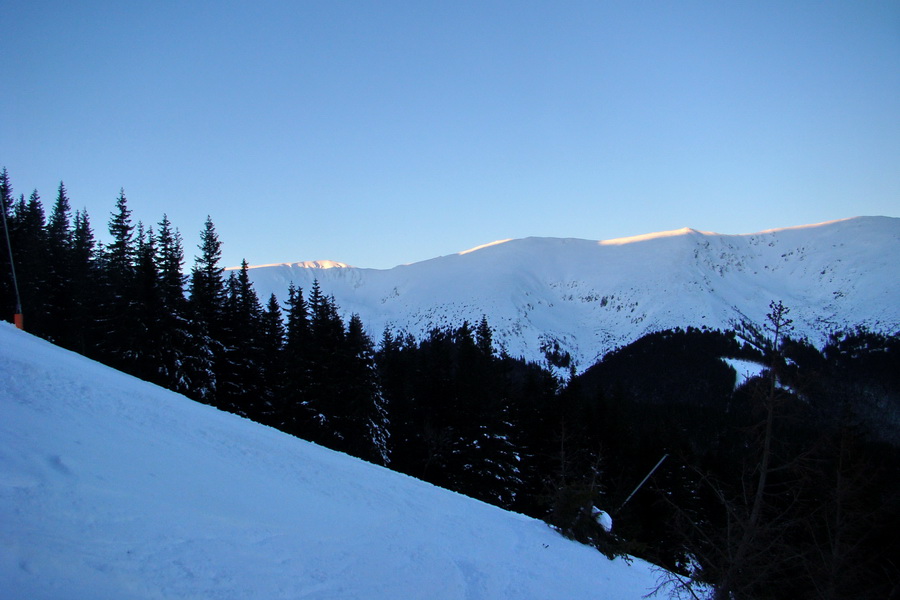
[[206, 308], [362, 414], [177, 351]]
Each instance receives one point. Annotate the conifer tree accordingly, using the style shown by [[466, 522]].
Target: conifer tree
[[120, 253], [272, 337], [149, 336], [207, 310], [240, 381], [324, 360], [177, 348], [29, 237], [59, 274], [207, 281], [363, 414], [169, 264], [84, 277], [120, 303], [484, 337], [291, 413]]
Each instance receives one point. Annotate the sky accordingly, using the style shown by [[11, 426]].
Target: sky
[[385, 133]]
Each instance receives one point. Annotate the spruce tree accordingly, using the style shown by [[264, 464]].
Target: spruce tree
[[60, 241], [207, 298], [149, 322], [120, 253], [240, 381], [484, 337], [207, 313], [291, 412], [177, 347], [29, 237], [325, 361], [85, 296], [363, 415], [272, 337], [120, 303]]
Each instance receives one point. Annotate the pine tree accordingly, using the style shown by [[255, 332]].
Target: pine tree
[[207, 313], [272, 336], [291, 413], [120, 304], [169, 264], [120, 253], [363, 414], [148, 348], [177, 347], [240, 382], [207, 281], [84, 277], [29, 237], [484, 337], [325, 363]]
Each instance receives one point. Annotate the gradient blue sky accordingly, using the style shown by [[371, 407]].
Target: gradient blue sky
[[381, 133]]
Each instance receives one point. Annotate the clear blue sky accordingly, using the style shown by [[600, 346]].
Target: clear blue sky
[[380, 133]]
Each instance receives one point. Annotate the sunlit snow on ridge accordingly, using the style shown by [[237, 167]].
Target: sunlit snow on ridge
[[304, 264], [481, 247], [651, 236], [688, 230]]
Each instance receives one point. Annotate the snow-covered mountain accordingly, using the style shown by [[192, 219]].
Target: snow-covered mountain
[[592, 296], [115, 489]]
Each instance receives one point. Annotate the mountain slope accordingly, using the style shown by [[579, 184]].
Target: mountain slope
[[111, 488], [591, 296]]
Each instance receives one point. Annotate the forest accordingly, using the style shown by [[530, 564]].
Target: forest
[[785, 484]]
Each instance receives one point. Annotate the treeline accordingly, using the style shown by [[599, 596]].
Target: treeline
[[786, 485], [448, 409]]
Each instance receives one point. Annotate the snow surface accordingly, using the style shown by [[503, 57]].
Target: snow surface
[[115, 489], [744, 370], [593, 296]]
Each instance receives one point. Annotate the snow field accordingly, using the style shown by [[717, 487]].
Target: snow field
[[112, 488]]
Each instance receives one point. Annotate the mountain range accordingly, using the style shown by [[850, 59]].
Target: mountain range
[[587, 297]]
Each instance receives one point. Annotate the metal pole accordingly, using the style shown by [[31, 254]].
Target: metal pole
[[12, 266], [653, 470]]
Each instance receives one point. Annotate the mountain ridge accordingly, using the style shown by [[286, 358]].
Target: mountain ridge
[[588, 297]]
